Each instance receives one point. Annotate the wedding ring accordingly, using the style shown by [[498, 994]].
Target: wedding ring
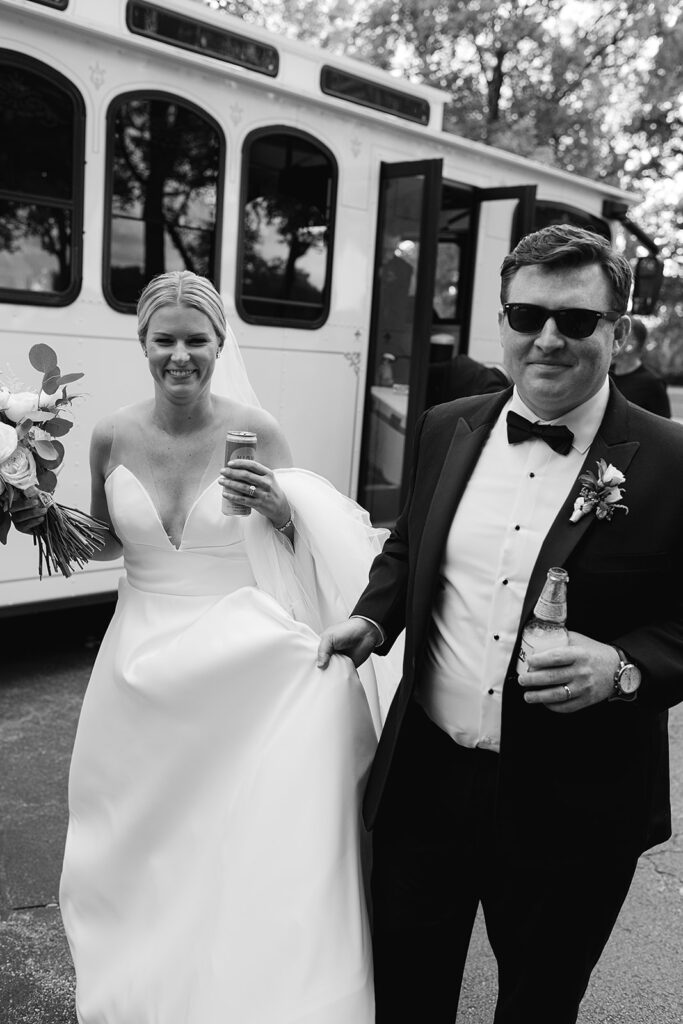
[[568, 692], [252, 490]]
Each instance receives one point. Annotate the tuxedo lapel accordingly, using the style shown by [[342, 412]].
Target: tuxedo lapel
[[611, 444], [468, 439]]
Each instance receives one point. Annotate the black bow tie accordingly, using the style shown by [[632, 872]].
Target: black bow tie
[[520, 429]]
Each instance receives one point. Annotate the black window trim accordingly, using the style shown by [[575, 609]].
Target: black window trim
[[23, 296], [57, 5], [403, 96], [559, 205], [265, 321], [156, 94], [209, 27]]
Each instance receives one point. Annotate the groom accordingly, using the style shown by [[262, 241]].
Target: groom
[[533, 800]]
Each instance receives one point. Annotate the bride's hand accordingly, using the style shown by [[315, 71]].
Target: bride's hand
[[27, 514], [250, 483]]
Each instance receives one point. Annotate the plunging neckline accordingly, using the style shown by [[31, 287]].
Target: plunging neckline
[[200, 494]]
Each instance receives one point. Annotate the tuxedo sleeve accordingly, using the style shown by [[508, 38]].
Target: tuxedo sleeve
[[385, 597], [657, 649]]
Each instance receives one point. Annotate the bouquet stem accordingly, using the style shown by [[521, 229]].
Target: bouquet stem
[[66, 538]]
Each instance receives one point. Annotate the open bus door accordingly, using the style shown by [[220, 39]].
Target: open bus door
[[502, 217], [411, 223], [405, 258]]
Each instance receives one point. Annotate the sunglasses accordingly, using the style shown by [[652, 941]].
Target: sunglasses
[[573, 323]]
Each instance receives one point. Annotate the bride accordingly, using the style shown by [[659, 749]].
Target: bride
[[213, 871]]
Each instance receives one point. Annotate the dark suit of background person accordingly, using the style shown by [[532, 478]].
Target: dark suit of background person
[[459, 377], [637, 382], [546, 832]]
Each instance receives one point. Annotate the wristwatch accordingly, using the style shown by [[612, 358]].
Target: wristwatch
[[627, 679]]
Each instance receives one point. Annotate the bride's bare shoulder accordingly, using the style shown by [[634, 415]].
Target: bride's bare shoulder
[[127, 421]]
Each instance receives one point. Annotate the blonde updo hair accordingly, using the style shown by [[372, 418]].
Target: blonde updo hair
[[181, 288]]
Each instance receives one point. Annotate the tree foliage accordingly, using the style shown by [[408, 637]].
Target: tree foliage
[[594, 87]]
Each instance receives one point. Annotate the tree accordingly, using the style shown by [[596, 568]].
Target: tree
[[595, 88]]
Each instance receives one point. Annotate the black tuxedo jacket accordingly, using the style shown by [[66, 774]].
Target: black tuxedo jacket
[[599, 775]]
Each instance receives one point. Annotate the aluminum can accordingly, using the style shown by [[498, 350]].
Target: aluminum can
[[239, 444]]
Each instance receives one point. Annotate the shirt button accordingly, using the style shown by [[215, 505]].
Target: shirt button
[[518, 527], [496, 636], [491, 692], [532, 475], [505, 583]]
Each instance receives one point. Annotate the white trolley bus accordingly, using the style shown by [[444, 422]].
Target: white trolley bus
[[352, 240]]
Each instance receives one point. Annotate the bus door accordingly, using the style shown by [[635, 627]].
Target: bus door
[[398, 353], [502, 216]]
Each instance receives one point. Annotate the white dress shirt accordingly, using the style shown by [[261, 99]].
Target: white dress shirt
[[506, 510]]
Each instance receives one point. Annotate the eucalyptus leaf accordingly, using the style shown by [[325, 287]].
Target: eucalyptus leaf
[[46, 450], [43, 358], [51, 381], [69, 378], [55, 446], [57, 427], [5, 523], [23, 428], [47, 480], [60, 454]]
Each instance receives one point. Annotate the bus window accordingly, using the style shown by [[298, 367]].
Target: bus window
[[546, 213], [41, 183], [288, 197], [166, 160]]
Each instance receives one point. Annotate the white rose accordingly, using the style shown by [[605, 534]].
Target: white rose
[[19, 469], [5, 394], [612, 477], [612, 496], [8, 441], [21, 404]]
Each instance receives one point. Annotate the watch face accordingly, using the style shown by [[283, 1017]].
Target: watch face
[[629, 679]]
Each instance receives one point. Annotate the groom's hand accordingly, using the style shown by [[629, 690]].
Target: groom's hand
[[356, 638], [567, 679]]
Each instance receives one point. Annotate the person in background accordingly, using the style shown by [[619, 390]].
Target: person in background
[[459, 377], [535, 795], [637, 382]]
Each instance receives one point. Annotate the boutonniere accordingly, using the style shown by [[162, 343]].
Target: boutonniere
[[600, 494]]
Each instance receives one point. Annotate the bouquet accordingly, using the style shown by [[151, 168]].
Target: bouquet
[[30, 454]]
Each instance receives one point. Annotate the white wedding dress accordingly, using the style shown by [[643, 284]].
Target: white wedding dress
[[213, 867]]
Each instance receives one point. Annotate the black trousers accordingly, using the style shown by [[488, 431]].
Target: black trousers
[[436, 856]]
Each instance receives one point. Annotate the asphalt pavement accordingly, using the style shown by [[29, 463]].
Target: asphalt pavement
[[44, 666]]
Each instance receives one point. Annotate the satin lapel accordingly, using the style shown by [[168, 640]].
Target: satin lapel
[[468, 440], [610, 444]]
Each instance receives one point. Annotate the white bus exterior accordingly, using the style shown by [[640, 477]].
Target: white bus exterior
[[357, 177]]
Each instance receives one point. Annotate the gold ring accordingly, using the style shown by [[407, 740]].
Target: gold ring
[[568, 692], [252, 490]]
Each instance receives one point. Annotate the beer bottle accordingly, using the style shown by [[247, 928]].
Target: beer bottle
[[547, 626]]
